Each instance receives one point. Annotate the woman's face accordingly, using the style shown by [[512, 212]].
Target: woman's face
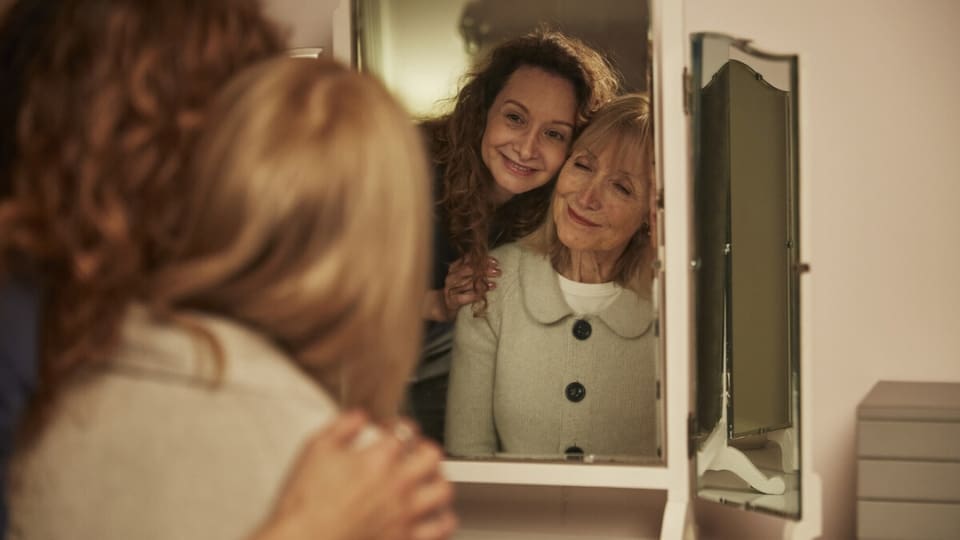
[[528, 132], [599, 203]]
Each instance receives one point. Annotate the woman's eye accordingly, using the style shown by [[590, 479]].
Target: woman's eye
[[558, 136], [622, 188], [582, 165], [514, 118]]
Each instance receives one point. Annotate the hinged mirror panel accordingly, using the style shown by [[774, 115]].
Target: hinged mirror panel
[[745, 197]]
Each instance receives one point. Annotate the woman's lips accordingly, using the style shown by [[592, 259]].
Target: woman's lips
[[577, 218], [516, 168]]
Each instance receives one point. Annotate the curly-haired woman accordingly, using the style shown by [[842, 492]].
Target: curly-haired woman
[[114, 103]]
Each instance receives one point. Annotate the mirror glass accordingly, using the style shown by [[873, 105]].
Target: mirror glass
[[746, 230], [585, 385]]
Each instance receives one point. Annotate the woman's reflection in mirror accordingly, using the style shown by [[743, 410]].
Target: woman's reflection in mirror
[[563, 358], [495, 155]]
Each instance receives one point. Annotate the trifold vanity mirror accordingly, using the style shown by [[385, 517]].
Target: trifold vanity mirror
[[723, 308]]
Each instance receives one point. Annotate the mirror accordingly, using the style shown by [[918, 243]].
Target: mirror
[[421, 49], [747, 261]]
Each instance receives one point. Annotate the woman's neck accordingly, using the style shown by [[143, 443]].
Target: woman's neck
[[589, 267], [499, 196]]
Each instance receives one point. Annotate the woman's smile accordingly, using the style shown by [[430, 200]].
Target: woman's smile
[[517, 168], [577, 218]]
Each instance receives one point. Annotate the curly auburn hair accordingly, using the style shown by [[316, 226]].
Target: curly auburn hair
[[23, 30], [112, 107], [465, 197]]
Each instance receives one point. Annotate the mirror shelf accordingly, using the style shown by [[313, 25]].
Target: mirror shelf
[[558, 474]]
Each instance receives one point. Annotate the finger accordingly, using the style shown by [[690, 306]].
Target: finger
[[457, 301], [432, 497], [341, 432], [461, 290], [383, 454], [472, 285], [459, 266], [440, 527], [459, 275], [407, 426], [421, 463]]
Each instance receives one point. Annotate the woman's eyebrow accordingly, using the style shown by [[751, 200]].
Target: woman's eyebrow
[[527, 111]]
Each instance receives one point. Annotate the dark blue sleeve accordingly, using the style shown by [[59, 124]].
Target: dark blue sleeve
[[443, 251], [19, 312]]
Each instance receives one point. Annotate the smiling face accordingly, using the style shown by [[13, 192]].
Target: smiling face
[[601, 200], [528, 131]]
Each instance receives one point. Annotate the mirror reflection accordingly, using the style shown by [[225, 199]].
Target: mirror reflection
[[745, 185], [542, 284]]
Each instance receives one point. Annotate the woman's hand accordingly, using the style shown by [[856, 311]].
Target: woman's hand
[[458, 290], [391, 489]]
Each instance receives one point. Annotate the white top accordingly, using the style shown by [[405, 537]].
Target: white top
[[588, 298]]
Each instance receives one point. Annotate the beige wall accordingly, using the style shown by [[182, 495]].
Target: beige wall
[[306, 21], [879, 83]]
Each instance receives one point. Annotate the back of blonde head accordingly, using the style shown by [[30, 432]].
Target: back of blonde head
[[308, 221]]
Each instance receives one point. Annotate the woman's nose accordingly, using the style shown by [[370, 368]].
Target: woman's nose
[[588, 197], [527, 145]]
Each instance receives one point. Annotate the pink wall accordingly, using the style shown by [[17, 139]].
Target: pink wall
[[307, 21]]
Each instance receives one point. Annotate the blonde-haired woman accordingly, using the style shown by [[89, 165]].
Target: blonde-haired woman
[[270, 313], [563, 362]]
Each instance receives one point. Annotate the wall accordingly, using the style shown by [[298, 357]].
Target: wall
[[879, 83], [307, 22]]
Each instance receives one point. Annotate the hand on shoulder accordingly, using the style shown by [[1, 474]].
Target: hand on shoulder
[[388, 489]]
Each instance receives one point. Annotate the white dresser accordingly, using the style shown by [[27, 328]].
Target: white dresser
[[908, 461]]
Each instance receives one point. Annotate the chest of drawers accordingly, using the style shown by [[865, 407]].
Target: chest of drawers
[[908, 461]]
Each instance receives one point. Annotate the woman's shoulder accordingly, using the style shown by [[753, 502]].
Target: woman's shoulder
[[509, 254], [197, 350]]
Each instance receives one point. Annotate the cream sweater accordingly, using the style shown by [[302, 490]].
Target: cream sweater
[[512, 369], [146, 448]]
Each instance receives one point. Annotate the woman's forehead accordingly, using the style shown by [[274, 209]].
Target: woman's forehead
[[628, 155]]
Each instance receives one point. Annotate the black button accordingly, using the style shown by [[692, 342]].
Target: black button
[[573, 453], [575, 392], [582, 329]]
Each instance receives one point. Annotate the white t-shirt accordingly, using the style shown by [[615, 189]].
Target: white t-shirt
[[588, 298]]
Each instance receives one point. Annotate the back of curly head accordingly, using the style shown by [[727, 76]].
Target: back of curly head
[[113, 104], [467, 183]]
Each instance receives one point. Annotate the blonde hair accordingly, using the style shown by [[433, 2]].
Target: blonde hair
[[308, 221], [626, 123]]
